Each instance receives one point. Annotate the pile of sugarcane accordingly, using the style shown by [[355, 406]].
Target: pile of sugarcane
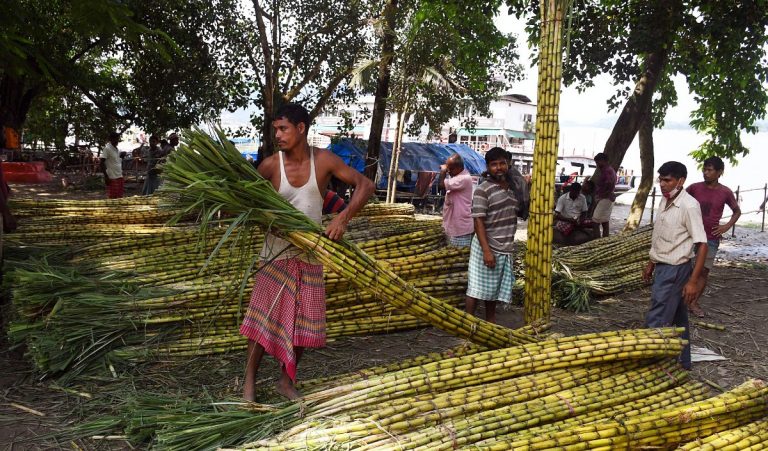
[[206, 175], [134, 299], [604, 266], [609, 390]]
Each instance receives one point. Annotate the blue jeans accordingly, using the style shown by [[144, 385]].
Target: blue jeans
[[667, 306]]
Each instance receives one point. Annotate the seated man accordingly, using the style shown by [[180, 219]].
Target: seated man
[[571, 224]]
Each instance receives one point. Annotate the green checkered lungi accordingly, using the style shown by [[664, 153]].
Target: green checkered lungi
[[489, 284]]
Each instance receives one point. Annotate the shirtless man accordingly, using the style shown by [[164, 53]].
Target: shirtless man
[[287, 309]]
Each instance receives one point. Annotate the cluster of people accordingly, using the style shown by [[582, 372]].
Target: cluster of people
[[111, 163], [583, 211], [286, 313], [485, 219], [686, 232]]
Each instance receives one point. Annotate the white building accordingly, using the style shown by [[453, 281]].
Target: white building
[[511, 126]]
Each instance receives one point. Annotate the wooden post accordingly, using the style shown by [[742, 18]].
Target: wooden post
[[733, 230], [765, 196], [653, 202]]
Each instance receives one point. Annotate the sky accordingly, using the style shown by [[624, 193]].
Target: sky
[[588, 108]]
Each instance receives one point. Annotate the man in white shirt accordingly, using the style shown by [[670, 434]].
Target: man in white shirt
[[112, 167], [571, 227], [678, 228]]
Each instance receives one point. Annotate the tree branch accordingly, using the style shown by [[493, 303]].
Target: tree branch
[[330, 89], [269, 74], [87, 49], [322, 57]]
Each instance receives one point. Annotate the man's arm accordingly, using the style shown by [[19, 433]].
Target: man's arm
[[648, 271], [482, 238], [363, 189], [691, 288], [559, 207], [103, 166], [695, 226], [441, 178], [736, 214]]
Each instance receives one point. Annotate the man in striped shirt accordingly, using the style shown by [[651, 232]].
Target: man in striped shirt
[[494, 211]]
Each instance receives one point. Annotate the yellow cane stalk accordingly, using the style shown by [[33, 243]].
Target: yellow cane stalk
[[538, 259]]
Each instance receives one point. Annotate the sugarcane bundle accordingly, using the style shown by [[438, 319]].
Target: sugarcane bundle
[[490, 417], [209, 176], [387, 209], [604, 251], [25, 206], [600, 267], [150, 317], [544, 381], [668, 427], [676, 397], [736, 439]]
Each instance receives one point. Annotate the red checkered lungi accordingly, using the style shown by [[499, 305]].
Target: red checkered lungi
[[116, 188], [287, 310]]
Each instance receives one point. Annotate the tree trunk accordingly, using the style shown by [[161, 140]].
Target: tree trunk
[[668, 13], [646, 180], [15, 100], [269, 89], [267, 146], [382, 90], [636, 109], [394, 159]]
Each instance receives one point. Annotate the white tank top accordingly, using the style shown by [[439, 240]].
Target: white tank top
[[306, 198]]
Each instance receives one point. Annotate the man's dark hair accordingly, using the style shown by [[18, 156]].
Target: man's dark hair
[[575, 186], [673, 169], [458, 161], [295, 114], [496, 153], [601, 157], [114, 135], [715, 162]]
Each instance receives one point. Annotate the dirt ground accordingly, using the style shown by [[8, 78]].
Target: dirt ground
[[32, 412]]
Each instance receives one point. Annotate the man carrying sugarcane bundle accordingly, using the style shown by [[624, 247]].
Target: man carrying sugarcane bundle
[[287, 309], [677, 228], [457, 217], [713, 196], [494, 210]]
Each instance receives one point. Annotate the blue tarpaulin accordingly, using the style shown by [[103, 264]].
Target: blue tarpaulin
[[414, 157]]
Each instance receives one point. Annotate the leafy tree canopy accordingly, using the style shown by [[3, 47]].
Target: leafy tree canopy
[[152, 63], [448, 55], [719, 47]]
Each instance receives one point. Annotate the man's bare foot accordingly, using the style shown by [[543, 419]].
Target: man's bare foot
[[286, 388], [696, 311]]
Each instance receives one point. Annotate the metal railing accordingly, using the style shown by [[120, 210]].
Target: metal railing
[[737, 194]]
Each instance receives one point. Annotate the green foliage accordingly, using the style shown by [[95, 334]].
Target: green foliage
[[150, 63], [719, 47], [448, 55]]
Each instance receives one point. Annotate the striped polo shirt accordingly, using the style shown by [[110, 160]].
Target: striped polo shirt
[[498, 208]]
